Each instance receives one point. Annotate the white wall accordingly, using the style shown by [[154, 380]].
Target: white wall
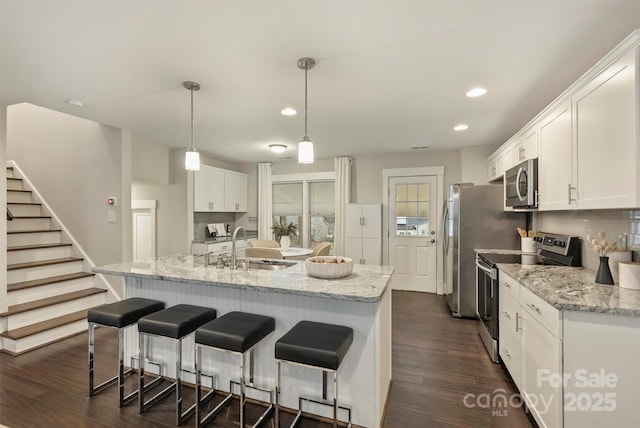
[[366, 186], [76, 165], [473, 164], [3, 223]]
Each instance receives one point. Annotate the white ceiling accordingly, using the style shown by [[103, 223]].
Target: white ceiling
[[390, 75]]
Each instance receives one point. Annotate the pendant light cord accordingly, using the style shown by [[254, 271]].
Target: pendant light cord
[[306, 68], [193, 148]]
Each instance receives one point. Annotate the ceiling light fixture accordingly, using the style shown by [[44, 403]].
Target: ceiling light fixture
[[288, 111], [460, 127], [192, 157], [305, 147], [277, 148], [75, 103], [476, 92]]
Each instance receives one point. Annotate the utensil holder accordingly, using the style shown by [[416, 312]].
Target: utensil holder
[[527, 245]]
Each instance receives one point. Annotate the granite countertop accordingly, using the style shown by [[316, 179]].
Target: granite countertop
[[496, 251], [366, 283], [574, 289]]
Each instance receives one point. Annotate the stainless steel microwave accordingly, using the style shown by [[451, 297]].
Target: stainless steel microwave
[[521, 185]]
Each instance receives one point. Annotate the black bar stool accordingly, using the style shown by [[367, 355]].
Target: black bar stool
[[318, 346], [174, 323], [236, 333], [118, 315]]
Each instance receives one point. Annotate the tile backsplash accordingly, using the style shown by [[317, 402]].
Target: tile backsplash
[[582, 223], [200, 221]]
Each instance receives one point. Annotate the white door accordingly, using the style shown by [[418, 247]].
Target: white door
[[143, 229], [412, 232]]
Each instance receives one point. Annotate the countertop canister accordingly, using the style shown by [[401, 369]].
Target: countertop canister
[[629, 275]]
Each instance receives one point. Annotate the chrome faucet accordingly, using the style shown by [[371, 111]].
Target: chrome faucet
[[234, 257]]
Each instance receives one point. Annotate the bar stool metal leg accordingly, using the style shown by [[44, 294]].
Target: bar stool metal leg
[[277, 388]]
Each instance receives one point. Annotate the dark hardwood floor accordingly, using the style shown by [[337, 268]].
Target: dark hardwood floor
[[437, 360]]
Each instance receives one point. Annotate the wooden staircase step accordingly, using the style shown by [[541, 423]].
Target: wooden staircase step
[[30, 216], [49, 280], [15, 266], [29, 330], [24, 203], [50, 301], [37, 246], [34, 231], [15, 190]]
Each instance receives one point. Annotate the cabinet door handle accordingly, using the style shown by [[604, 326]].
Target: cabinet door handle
[[571, 198], [518, 328], [534, 307], [507, 354], [506, 315], [506, 284]]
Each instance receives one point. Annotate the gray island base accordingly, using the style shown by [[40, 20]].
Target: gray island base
[[361, 301]]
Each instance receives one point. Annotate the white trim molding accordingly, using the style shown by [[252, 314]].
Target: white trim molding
[[438, 171]]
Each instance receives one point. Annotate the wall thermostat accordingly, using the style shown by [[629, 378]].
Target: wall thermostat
[[112, 201]]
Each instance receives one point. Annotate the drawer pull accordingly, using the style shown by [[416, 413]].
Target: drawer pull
[[534, 307], [506, 315], [507, 354], [507, 284]]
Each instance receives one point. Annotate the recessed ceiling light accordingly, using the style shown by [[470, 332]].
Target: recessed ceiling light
[[277, 148], [460, 127], [288, 112], [476, 92], [75, 103]]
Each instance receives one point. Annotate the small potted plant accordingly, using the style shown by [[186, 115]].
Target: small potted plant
[[283, 232]]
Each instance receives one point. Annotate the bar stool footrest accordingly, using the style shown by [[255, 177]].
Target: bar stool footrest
[[320, 401], [270, 391]]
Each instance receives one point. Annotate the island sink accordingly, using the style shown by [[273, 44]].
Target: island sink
[[268, 264]]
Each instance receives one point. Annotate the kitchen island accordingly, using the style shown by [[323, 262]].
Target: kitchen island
[[361, 301]]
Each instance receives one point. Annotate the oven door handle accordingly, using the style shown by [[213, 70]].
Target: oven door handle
[[490, 271]]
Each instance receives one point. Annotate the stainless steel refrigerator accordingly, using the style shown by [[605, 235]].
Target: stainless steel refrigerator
[[474, 218]]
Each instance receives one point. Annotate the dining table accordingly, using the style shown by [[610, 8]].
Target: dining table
[[295, 252]]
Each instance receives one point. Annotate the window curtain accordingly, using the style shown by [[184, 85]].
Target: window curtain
[[343, 197], [265, 200]]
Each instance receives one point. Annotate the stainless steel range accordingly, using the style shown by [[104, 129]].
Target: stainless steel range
[[552, 249]]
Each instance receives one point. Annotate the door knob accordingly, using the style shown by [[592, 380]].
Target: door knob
[[433, 241]]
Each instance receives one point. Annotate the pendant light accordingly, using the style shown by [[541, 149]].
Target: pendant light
[[305, 147], [192, 157]]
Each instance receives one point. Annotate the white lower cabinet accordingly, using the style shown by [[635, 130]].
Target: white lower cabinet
[[542, 371], [573, 369], [217, 248], [530, 351]]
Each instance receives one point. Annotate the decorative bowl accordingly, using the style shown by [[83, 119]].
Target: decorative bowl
[[329, 267]]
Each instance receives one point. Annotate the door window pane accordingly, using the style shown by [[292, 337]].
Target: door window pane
[[412, 209]]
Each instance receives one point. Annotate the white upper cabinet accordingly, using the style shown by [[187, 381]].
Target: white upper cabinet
[[500, 162], [526, 146], [208, 190], [555, 160], [235, 191], [219, 190], [587, 141], [606, 129]]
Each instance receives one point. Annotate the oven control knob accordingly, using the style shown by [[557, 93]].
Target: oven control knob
[[556, 243], [563, 244]]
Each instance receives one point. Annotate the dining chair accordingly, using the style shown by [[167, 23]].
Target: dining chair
[[266, 253], [264, 243], [322, 249]]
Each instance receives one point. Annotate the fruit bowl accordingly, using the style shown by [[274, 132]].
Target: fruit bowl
[[329, 267]]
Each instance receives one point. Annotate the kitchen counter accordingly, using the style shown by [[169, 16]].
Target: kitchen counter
[[361, 301], [574, 289], [226, 238], [366, 283], [496, 251]]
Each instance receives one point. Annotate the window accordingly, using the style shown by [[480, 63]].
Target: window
[[412, 208], [308, 201]]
